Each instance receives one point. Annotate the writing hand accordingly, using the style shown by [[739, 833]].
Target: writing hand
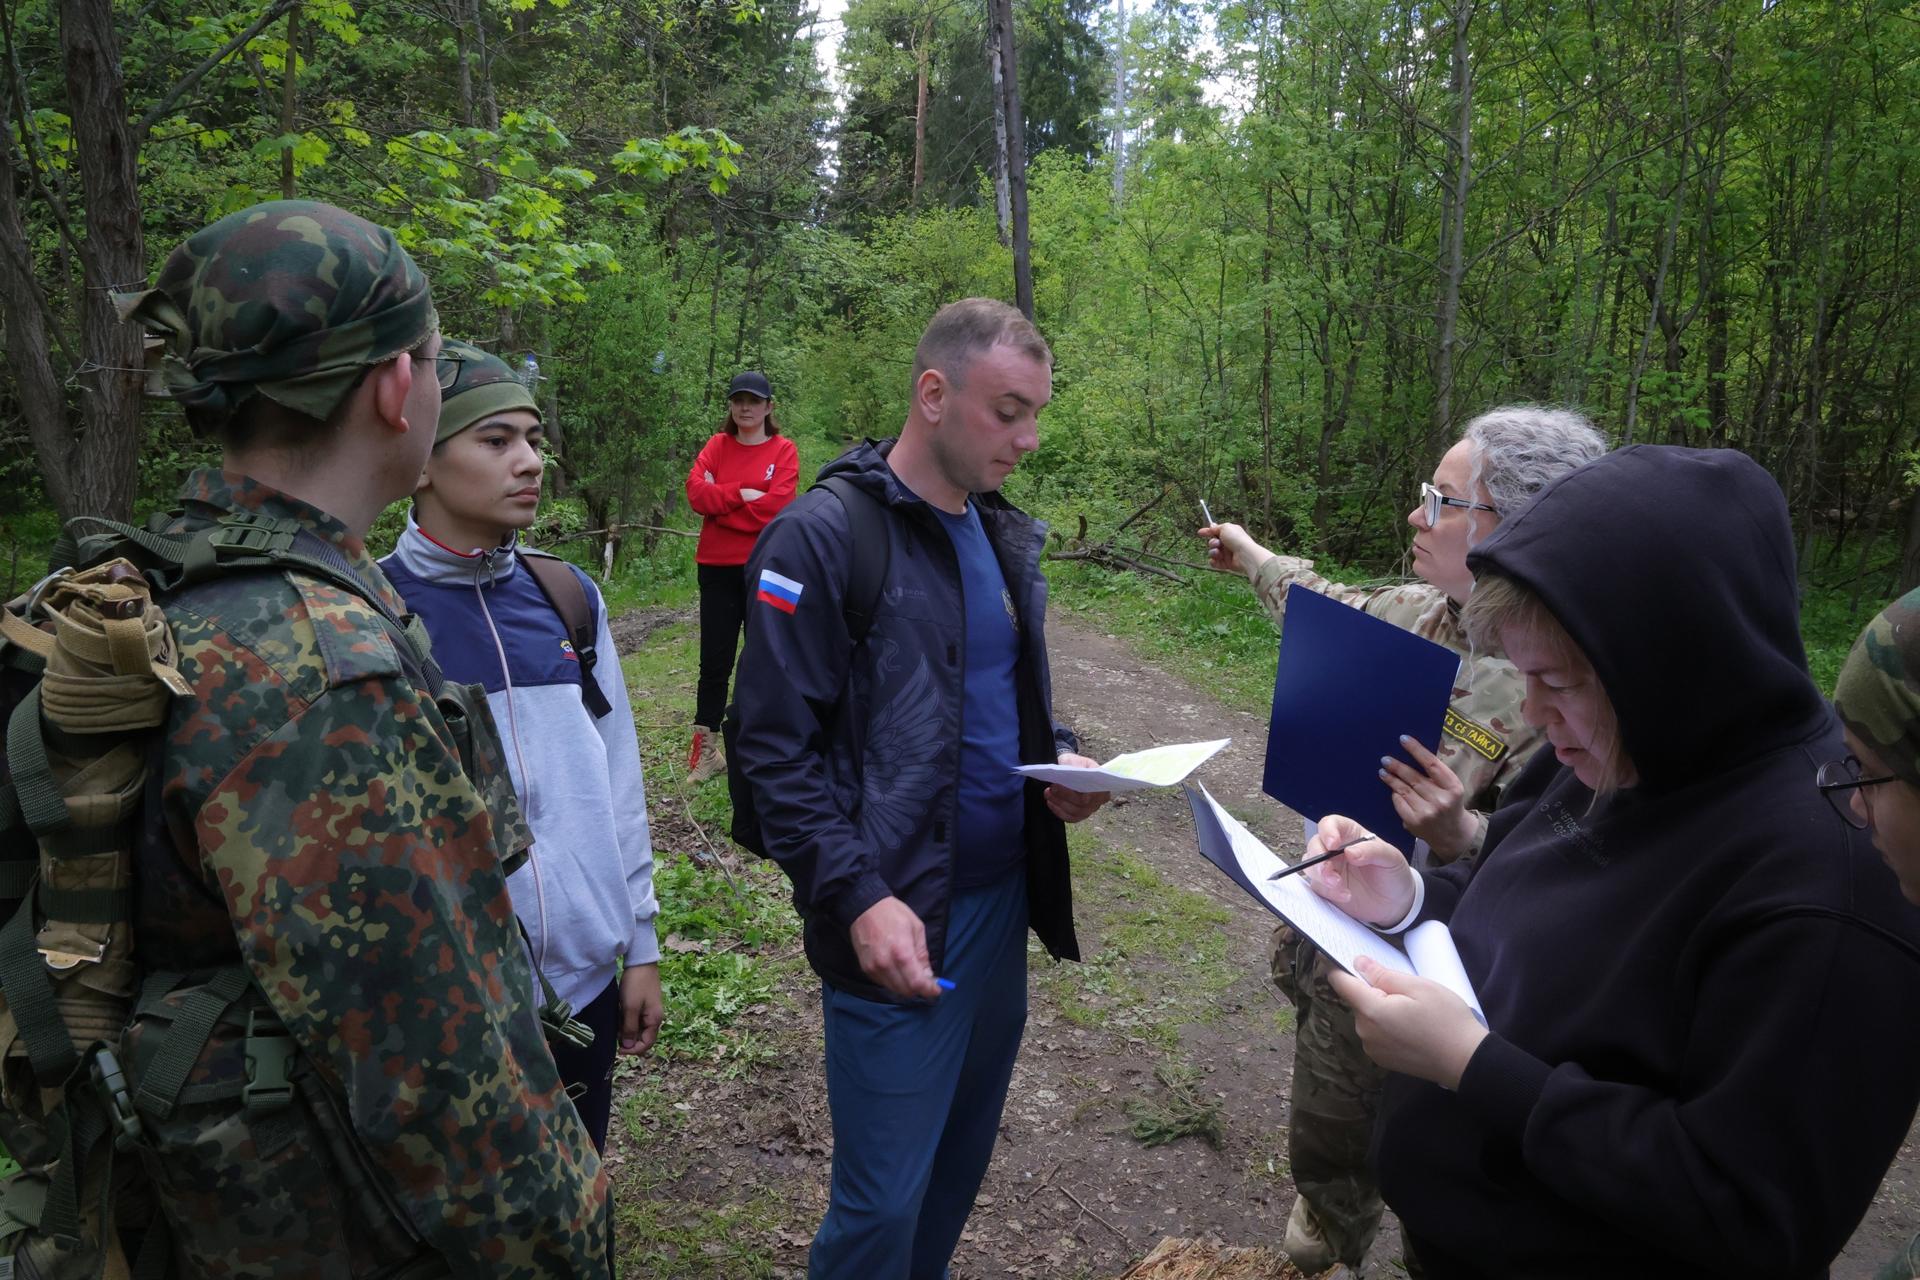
[[1370, 881]]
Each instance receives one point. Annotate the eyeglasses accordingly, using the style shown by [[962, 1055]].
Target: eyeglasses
[[1435, 500], [1837, 777], [446, 369]]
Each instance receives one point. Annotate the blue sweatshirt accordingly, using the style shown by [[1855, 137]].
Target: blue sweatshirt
[[586, 894]]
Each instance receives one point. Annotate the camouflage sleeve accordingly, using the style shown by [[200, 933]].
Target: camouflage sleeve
[[1484, 739], [360, 875], [1272, 579], [1904, 1265]]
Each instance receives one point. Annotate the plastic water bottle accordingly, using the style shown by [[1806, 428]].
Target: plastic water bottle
[[530, 372]]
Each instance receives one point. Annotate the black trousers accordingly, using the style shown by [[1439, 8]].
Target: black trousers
[[723, 611], [592, 1067]]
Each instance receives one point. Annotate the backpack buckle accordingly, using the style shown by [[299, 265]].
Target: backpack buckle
[[112, 1083], [250, 537], [269, 1054]]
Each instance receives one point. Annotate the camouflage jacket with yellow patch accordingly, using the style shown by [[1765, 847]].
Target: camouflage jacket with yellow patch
[[1484, 740], [319, 817]]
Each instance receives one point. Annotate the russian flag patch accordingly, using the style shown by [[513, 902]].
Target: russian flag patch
[[781, 592]]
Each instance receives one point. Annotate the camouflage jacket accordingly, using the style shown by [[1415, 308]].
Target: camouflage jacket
[[319, 817], [1484, 740]]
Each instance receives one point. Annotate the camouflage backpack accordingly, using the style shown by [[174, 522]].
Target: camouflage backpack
[[86, 683]]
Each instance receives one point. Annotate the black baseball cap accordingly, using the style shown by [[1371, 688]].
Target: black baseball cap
[[751, 382]]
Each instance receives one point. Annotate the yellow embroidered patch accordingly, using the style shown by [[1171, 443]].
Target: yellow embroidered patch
[[1477, 736]]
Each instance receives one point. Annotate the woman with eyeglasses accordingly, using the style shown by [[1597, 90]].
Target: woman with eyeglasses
[[744, 477], [1501, 460], [1702, 994], [1878, 781]]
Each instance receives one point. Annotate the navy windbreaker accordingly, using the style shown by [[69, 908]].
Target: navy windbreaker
[[853, 752]]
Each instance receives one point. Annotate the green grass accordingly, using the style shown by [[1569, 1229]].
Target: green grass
[[725, 938], [689, 1240], [1162, 955]]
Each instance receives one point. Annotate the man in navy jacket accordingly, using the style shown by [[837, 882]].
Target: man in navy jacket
[[882, 776]]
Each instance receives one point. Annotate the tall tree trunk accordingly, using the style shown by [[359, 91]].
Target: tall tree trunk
[[113, 256], [1002, 185], [1016, 156], [923, 55], [1119, 144], [29, 341], [1266, 367], [1453, 233], [289, 97]]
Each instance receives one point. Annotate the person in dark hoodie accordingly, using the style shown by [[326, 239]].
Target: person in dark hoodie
[[1681, 947], [1878, 781], [882, 774]]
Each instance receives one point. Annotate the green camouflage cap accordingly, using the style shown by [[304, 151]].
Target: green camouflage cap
[[1879, 691], [291, 299], [483, 387]]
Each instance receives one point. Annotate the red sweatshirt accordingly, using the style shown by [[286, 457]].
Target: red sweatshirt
[[732, 523]]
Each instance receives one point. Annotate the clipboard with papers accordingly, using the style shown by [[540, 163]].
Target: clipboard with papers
[[1347, 686], [1426, 950]]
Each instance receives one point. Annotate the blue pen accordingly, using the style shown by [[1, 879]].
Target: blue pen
[[943, 984]]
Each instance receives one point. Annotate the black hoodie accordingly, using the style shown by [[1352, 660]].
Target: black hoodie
[[1705, 989]]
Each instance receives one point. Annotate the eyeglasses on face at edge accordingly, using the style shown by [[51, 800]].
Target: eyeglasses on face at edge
[[446, 369], [1435, 500], [1838, 777]]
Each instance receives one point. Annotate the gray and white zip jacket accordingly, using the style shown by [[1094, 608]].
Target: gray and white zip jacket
[[586, 894]]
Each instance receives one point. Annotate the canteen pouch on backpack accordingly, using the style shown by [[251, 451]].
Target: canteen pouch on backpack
[[76, 773]]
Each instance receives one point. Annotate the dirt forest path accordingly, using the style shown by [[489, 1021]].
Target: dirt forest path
[[1170, 1028], [1118, 702]]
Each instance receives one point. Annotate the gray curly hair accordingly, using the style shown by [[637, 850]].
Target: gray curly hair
[[1519, 448]]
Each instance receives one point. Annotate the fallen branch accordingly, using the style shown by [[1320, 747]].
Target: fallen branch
[[615, 530], [1104, 555], [1068, 1193], [713, 850]]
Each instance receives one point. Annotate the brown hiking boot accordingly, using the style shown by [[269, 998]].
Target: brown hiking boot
[[1306, 1241], [708, 759]]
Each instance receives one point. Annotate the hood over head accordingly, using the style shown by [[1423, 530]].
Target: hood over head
[[1673, 569], [1878, 695]]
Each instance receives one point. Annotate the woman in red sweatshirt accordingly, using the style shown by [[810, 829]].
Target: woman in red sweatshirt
[[740, 481]]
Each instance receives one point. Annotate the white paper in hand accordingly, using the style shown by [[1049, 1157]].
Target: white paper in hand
[[1135, 771], [1226, 843]]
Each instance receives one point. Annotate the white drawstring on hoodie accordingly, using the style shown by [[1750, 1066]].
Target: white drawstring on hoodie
[[485, 562]]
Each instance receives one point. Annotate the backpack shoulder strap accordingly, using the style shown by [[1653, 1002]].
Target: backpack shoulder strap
[[872, 552], [562, 588]]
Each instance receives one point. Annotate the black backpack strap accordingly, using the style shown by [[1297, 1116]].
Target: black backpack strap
[[242, 542], [561, 586], [872, 547]]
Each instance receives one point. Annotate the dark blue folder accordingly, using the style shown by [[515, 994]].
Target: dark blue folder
[[1348, 686]]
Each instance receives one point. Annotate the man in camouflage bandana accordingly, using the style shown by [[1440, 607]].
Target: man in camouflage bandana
[[1878, 698], [317, 812], [1504, 456]]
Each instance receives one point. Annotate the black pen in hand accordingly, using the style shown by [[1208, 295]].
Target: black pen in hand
[[1319, 858]]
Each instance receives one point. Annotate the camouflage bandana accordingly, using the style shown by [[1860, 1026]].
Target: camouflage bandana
[[483, 387], [1879, 690], [291, 299]]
